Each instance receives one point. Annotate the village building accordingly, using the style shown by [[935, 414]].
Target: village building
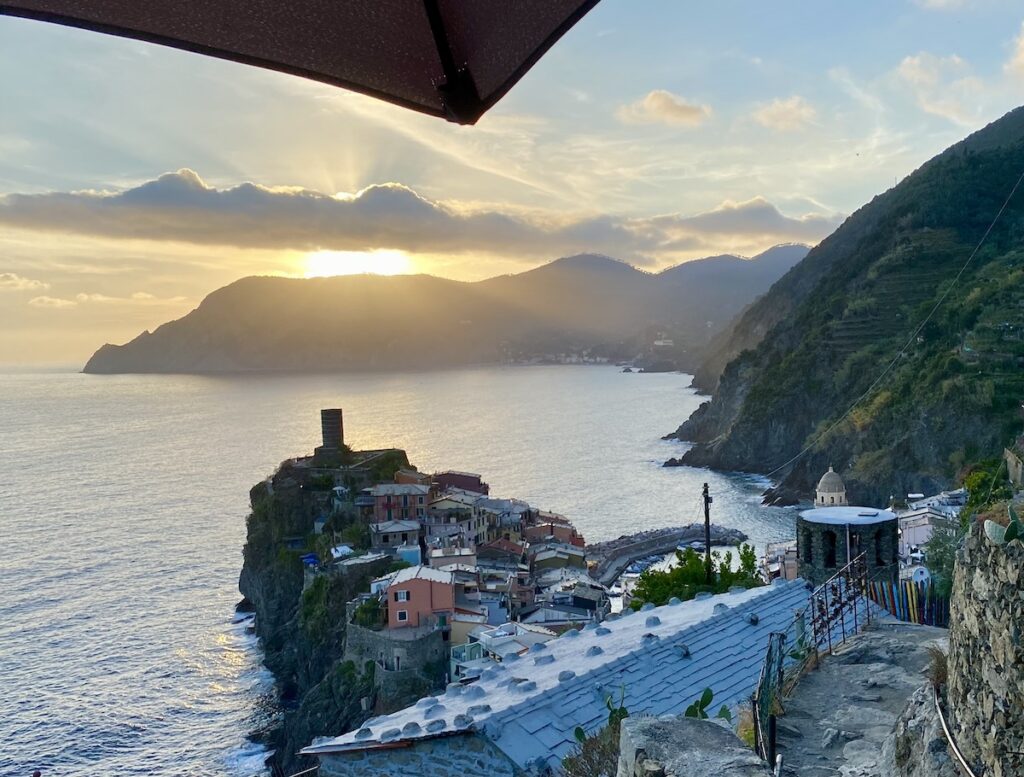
[[917, 527], [425, 598], [506, 517], [948, 502], [552, 526], [399, 501], [387, 536], [519, 716], [501, 550], [412, 477], [451, 554], [454, 517], [420, 596], [553, 555], [558, 615], [463, 481]]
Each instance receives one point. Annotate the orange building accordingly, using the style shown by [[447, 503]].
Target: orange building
[[420, 596]]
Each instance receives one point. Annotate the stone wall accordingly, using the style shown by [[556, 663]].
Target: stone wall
[[684, 747], [420, 653], [462, 755], [986, 654], [821, 549]]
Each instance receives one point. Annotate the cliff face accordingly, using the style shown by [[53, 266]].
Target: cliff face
[[810, 348], [303, 634]]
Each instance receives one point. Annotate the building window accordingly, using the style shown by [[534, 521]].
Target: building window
[[405, 500], [401, 596], [419, 500], [402, 616], [808, 554], [879, 558]]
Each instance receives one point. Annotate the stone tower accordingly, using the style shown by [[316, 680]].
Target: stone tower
[[831, 491], [332, 425]]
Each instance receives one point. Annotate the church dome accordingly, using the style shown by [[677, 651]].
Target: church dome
[[831, 483]]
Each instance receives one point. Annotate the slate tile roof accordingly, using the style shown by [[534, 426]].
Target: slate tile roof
[[530, 706]]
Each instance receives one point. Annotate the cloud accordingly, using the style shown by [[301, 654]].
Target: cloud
[[941, 5], [754, 218], [52, 302], [662, 107], [82, 298], [786, 115], [12, 282], [1015, 65], [181, 208], [943, 86]]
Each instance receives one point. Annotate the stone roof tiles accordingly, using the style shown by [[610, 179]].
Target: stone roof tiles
[[534, 704]]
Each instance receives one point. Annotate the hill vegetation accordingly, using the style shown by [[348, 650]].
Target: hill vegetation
[[578, 304], [789, 368]]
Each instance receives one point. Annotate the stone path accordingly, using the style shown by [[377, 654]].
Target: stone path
[[838, 716]]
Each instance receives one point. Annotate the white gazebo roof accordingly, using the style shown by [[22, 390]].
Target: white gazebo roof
[[848, 516]]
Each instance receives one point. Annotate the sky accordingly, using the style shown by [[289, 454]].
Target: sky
[[136, 179]]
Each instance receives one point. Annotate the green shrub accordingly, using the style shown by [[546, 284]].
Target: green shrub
[[688, 577]]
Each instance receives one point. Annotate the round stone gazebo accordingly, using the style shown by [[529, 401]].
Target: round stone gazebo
[[828, 538]]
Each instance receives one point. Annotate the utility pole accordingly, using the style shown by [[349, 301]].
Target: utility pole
[[708, 571]]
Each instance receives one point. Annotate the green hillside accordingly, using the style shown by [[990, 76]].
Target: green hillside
[[804, 352]]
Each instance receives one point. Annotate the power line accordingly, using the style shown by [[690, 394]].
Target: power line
[[814, 441]]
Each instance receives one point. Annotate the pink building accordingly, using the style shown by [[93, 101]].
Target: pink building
[[467, 481], [420, 596], [399, 501], [553, 526]]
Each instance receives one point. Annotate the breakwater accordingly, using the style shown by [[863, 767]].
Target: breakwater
[[613, 556]]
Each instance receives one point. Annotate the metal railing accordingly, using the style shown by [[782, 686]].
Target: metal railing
[[766, 695], [830, 604], [303, 773], [843, 594], [949, 737]]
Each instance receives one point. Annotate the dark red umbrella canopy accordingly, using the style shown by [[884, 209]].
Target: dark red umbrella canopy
[[448, 58]]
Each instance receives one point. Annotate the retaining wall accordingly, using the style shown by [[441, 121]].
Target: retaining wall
[[986, 654]]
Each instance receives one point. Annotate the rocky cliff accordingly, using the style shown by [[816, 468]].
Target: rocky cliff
[[302, 633], [790, 367]]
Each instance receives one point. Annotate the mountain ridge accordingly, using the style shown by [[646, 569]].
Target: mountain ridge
[[356, 322], [788, 368]]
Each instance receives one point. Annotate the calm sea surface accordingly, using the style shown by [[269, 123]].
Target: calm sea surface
[[122, 517]]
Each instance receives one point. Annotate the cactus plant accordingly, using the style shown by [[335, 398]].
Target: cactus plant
[[995, 532], [1001, 535], [1015, 530], [699, 708]]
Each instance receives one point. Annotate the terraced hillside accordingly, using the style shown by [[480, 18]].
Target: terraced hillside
[[807, 350]]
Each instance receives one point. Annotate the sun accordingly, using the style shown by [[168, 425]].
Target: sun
[[383, 261]]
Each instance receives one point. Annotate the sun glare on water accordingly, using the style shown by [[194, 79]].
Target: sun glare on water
[[320, 264]]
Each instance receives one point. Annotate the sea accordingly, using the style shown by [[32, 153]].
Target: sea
[[122, 518]]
